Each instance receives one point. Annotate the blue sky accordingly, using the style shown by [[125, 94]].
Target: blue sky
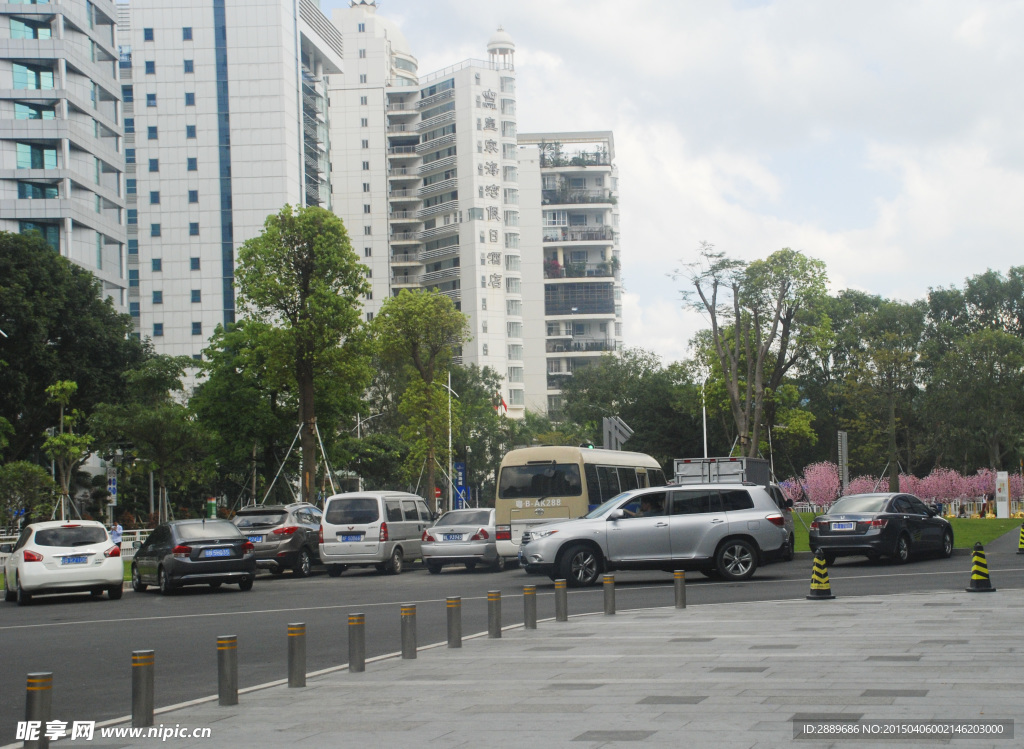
[[886, 139]]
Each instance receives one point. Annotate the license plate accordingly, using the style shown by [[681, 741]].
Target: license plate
[[843, 526], [74, 560], [357, 537], [217, 553], [256, 539], [451, 537]]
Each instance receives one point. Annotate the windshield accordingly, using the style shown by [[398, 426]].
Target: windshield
[[859, 504], [208, 530], [259, 519], [540, 480], [605, 507], [79, 536], [465, 517]]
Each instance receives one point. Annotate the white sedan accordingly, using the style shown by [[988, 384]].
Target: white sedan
[[58, 556]]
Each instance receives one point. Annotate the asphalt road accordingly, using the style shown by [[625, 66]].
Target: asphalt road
[[87, 643]]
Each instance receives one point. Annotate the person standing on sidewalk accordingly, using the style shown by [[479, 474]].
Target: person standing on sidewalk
[[115, 532]]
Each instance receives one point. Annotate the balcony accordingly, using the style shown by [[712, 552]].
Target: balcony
[[405, 280], [552, 269], [564, 234], [405, 258], [581, 345], [402, 195], [583, 158], [404, 236], [402, 151], [565, 196], [440, 276], [403, 216]]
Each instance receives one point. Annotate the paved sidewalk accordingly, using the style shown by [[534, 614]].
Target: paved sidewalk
[[731, 675]]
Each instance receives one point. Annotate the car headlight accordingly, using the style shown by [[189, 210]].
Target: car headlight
[[534, 535]]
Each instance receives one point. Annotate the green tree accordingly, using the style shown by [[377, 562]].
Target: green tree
[[302, 277], [26, 492], [66, 449], [422, 329], [59, 326]]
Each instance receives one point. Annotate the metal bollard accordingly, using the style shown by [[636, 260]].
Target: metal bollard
[[529, 607], [38, 701], [609, 594], [227, 669], [680, 579], [143, 668], [409, 631], [296, 655], [561, 602], [454, 605], [494, 614], [356, 643]]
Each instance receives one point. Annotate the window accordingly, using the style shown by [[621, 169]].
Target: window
[[190, 66], [193, 263], [158, 297], [32, 191], [367, 231], [366, 207], [132, 216], [369, 295], [158, 330], [150, 100], [33, 77], [133, 279], [193, 196], [363, 100], [366, 166], [193, 229], [192, 163], [129, 125], [154, 230], [365, 143], [151, 132], [190, 99], [186, 33], [32, 156], [157, 264], [30, 29], [197, 357], [362, 27], [154, 165], [129, 156], [133, 309], [150, 67], [190, 131], [197, 328], [362, 54], [366, 187], [362, 77], [147, 35], [197, 296], [154, 197], [369, 317], [364, 122]]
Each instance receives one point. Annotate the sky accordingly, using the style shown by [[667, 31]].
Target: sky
[[884, 138]]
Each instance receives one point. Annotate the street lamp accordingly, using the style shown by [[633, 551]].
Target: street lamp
[[469, 451], [451, 484], [704, 408]]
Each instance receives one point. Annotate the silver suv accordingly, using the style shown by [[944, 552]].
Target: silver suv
[[724, 530]]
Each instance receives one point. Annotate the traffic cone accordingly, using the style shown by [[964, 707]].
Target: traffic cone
[[820, 588], [1020, 543], [979, 572]]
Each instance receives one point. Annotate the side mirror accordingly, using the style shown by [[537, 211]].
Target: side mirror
[[136, 544], [616, 514], [6, 548]]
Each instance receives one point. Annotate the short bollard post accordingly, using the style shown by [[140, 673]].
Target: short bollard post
[[356, 643], [227, 669], [38, 701], [454, 604], [409, 631], [494, 614], [529, 607], [561, 602], [296, 655], [143, 666], [609, 595], [680, 578]]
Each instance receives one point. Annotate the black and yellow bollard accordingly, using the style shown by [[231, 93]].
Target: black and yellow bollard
[[820, 588], [1020, 542], [979, 572]]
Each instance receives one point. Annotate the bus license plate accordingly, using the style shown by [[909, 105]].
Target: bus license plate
[[843, 526], [452, 537], [73, 560], [217, 553]]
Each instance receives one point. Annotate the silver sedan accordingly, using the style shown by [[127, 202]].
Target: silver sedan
[[463, 537]]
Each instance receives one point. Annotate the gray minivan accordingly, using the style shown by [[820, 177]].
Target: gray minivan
[[378, 529]]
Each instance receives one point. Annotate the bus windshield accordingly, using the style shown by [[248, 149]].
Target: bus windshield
[[602, 508], [540, 480]]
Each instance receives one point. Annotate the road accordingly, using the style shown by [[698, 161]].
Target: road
[[87, 643]]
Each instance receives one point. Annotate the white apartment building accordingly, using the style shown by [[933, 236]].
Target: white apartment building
[[425, 172], [61, 150], [579, 317], [226, 121]]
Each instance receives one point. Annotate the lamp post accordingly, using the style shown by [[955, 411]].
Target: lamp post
[[451, 484], [359, 436], [469, 451], [704, 408]]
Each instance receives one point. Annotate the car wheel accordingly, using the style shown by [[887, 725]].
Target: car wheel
[[277, 570], [10, 594], [433, 568], [163, 581], [499, 564], [246, 585], [24, 597], [96, 592], [581, 565], [788, 553], [114, 592], [396, 563], [137, 585], [829, 557], [470, 565], [736, 560], [947, 544], [901, 554], [303, 565], [335, 570]]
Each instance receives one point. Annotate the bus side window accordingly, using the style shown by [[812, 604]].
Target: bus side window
[[641, 477], [627, 479], [609, 479], [594, 497]]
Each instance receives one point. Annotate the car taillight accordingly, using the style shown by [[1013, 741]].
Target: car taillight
[[427, 537], [503, 533], [815, 525], [878, 522], [776, 519], [181, 551], [286, 531], [383, 532], [480, 535], [247, 547], [320, 535], [113, 551], [31, 556], [71, 525]]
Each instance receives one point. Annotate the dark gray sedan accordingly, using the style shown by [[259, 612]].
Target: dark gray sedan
[[880, 525], [194, 552]]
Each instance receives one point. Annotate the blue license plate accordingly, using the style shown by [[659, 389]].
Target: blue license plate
[[843, 526], [452, 537], [217, 553], [358, 537], [74, 560], [256, 539]]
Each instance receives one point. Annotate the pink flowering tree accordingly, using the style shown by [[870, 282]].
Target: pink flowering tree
[[861, 485], [821, 483]]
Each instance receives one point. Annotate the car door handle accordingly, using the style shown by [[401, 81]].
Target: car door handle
[[717, 520], [661, 525]]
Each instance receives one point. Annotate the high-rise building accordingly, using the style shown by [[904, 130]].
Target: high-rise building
[[61, 132], [580, 314], [226, 121], [426, 180]]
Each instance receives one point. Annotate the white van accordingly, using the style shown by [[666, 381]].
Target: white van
[[379, 529]]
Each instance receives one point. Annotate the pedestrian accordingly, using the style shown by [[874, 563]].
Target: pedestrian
[[115, 532]]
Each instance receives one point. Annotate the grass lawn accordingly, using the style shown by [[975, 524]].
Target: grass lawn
[[966, 532]]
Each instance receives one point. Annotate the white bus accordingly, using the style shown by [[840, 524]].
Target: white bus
[[544, 484]]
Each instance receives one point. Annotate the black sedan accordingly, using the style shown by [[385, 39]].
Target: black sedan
[[194, 552], [880, 525]]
